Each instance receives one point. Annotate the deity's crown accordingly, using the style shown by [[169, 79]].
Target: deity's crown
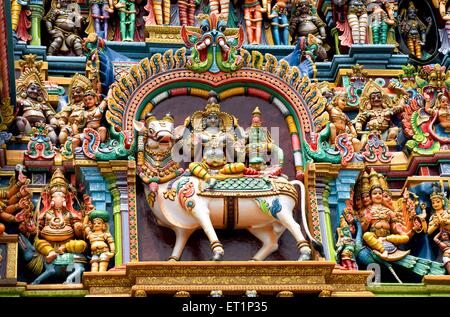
[[365, 186], [58, 182], [211, 108], [374, 180], [437, 192], [411, 6], [149, 117], [90, 92], [384, 183], [256, 112], [372, 87]]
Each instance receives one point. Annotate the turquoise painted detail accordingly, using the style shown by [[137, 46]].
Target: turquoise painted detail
[[267, 208]]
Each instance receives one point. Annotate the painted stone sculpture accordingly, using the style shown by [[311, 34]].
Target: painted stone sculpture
[[100, 12], [414, 30], [280, 23], [381, 20], [305, 21], [63, 22]]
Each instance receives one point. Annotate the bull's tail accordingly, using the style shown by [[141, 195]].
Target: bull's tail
[[316, 243]]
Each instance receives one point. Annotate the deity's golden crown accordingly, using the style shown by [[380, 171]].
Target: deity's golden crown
[[383, 182], [211, 108], [437, 195], [58, 182], [374, 180], [365, 185]]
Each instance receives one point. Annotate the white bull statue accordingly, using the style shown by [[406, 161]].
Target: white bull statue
[[182, 203]]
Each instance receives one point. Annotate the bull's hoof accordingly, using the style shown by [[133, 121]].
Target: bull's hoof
[[218, 255], [305, 254]]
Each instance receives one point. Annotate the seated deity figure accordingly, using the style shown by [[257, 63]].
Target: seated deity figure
[[213, 131], [380, 223], [340, 122], [32, 99], [441, 109], [59, 223], [305, 22], [261, 148], [93, 114], [100, 239], [64, 21], [71, 118], [376, 111], [440, 217]]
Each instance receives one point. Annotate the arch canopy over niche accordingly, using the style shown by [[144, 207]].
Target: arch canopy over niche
[[152, 81]]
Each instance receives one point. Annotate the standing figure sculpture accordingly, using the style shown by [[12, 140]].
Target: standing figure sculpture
[[253, 21], [187, 12], [380, 20], [376, 112], [63, 22], [305, 21], [358, 20], [414, 30], [346, 249], [32, 100], [100, 239], [440, 218], [100, 11], [442, 239], [71, 118], [162, 10], [222, 7], [127, 19], [280, 23]]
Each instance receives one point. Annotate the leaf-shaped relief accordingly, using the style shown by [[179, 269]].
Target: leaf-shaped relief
[[271, 63], [257, 59]]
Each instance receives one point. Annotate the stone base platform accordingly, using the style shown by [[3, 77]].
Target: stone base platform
[[231, 277]]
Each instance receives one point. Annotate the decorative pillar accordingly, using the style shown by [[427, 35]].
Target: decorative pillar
[[37, 12], [121, 178]]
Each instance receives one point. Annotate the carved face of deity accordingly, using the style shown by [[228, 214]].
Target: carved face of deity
[[387, 199], [376, 100], [77, 94], [212, 120], [58, 200], [304, 7], [443, 102], [358, 202], [366, 199], [346, 232], [90, 101], [445, 236], [33, 90], [412, 13], [341, 101], [376, 195], [437, 203], [98, 225]]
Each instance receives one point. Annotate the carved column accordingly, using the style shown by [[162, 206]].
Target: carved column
[[37, 12]]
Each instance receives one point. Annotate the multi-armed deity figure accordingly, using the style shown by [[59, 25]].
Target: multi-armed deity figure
[[376, 112], [381, 20], [213, 132], [414, 30], [32, 99], [63, 22], [99, 16], [100, 239], [279, 21], [305, 21], [72, 118], [59, 222]]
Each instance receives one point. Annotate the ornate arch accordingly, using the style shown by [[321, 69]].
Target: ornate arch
[[164, 76]]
